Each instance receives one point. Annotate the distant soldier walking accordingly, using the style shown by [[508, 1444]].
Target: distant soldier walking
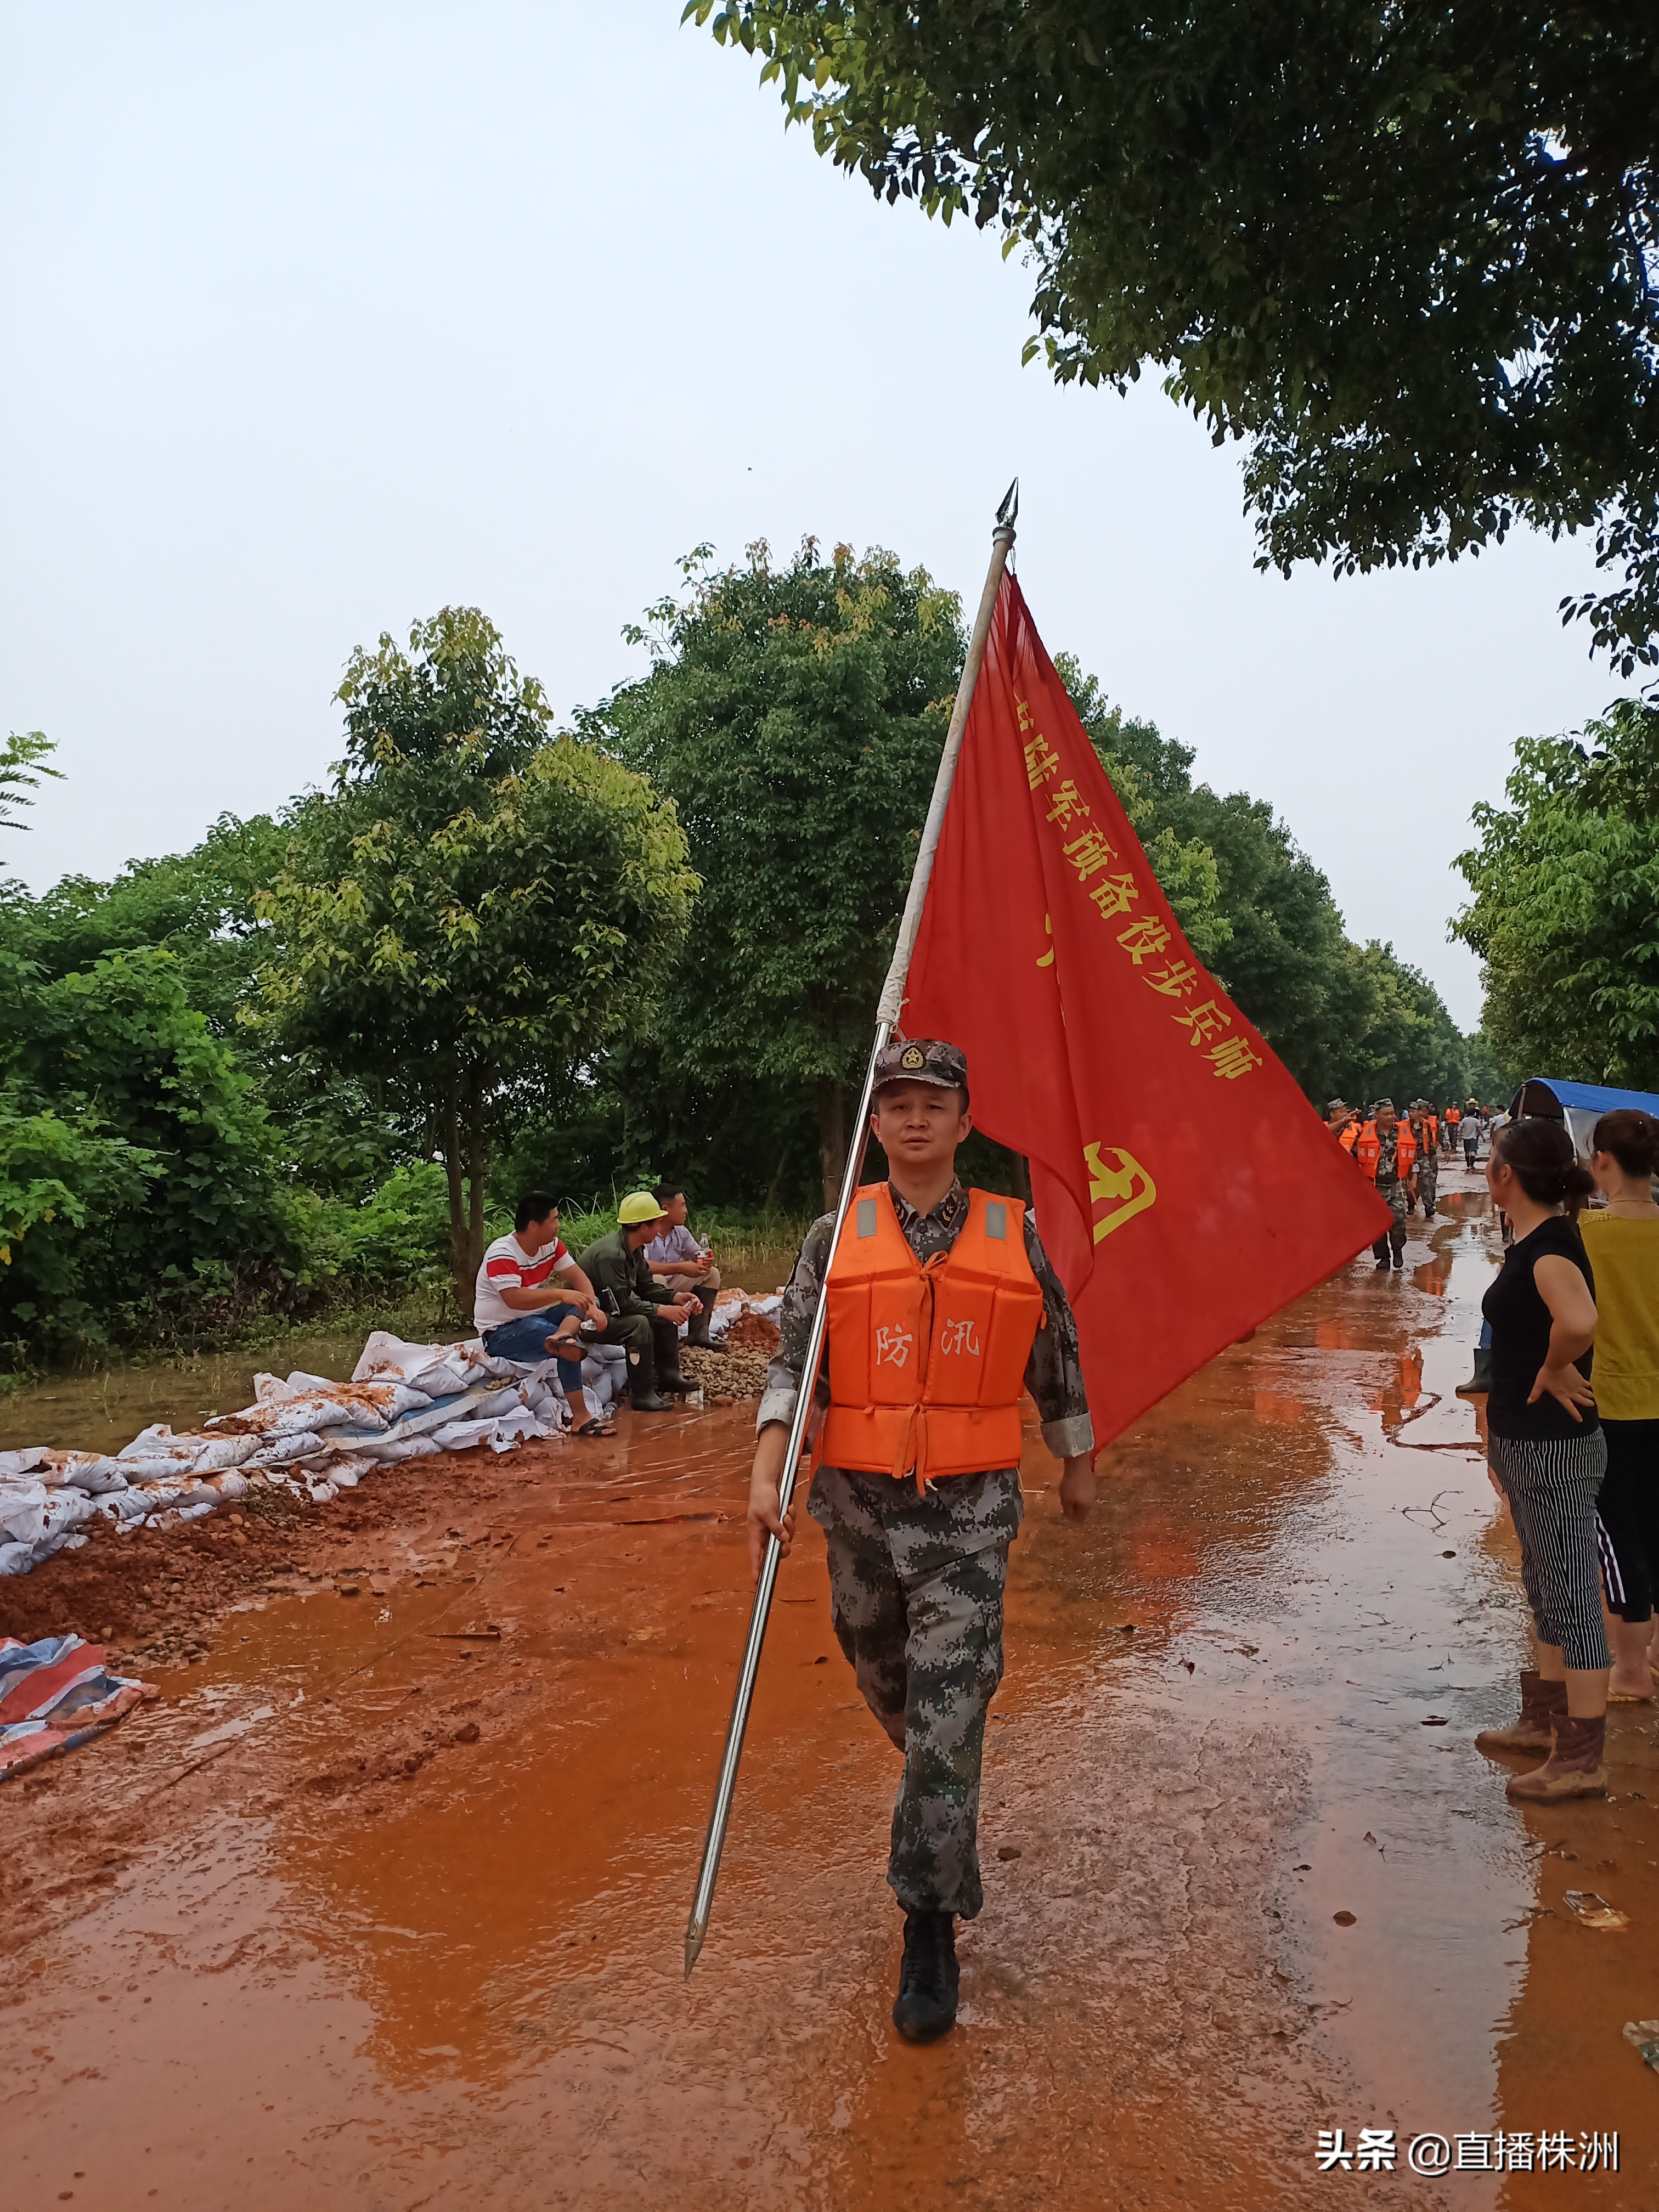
[[1387, 1150], [1426, 1131]]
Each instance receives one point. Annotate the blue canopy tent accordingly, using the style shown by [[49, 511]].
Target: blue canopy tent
[[1580, 1105]]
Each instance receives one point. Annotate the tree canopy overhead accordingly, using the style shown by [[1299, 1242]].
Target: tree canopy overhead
[[1407, 253], [1565, 911]]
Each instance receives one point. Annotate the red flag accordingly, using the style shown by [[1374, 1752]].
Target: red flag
[[1184, 1188]]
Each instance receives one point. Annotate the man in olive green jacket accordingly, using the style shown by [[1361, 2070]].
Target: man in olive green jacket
[[639, 1316]]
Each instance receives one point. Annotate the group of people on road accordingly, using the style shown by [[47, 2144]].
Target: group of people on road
[[1578, 1462], [634, 1287], [1400, 1157]]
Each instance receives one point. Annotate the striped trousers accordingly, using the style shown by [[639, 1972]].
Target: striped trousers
[[1552, 1484]]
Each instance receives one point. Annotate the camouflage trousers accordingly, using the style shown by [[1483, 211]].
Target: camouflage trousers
[[1392, 1194], [916, 1587], [1428, 1181]]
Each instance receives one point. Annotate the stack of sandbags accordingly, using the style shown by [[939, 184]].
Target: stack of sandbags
[[306, 1433]]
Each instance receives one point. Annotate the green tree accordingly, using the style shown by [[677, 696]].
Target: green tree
[[1406, 252], [198, 906], [475, 911], [1565, 910], [140, 1185], [796, 716], [23, 762], [1344, 1018]]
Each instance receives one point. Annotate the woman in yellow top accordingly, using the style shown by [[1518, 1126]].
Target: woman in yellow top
[[1623, 1243]]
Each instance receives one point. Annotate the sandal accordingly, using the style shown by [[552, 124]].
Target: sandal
[[566, 1348], [598, 1427]]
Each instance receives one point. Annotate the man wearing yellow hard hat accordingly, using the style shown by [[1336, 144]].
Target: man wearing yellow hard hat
[[639, 1316]]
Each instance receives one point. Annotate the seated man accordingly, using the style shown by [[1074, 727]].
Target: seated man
[[519, 1314], [679, 1262], [638, 1314]]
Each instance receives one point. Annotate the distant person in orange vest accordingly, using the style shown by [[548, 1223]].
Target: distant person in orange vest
[[1426, 1180], [1387, 1151], [1453, 1122], [1342, 1122], [942, 1307]]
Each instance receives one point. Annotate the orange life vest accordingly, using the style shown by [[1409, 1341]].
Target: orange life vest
[[1453, 1117], [1347, 1136], [927, 1363], [1432, 1130], [1369, 1150]]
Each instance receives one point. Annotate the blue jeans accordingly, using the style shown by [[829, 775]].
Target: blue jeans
[[525, 1339]]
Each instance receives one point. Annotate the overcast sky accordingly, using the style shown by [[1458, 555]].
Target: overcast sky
[[320, 318]]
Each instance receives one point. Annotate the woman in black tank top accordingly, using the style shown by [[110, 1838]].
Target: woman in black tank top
[[1547, 1456]]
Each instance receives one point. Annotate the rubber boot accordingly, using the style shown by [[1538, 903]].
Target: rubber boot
[[926, 2004], [1575, 1768], [642, 1393], [1481, 1382], [1541, 1702], [697, 1328], [670, 1378]]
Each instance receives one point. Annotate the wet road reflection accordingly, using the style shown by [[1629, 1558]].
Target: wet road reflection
[[1240, 1704]]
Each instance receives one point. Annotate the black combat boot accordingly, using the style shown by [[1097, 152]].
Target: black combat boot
[[926, 2006]]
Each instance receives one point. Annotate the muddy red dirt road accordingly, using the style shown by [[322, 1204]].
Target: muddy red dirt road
[[382, 1903]]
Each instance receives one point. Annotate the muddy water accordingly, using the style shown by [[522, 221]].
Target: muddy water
[[103, 1410], [1240, 1701]]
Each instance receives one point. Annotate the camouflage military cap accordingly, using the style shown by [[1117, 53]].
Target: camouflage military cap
[[1381, 1104], [1336, 1106], [922, 1059]]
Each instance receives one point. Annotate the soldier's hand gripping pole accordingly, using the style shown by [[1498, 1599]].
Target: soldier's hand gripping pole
[[887, 1014]]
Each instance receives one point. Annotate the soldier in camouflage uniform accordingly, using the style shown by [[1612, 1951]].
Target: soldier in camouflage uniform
[[916, 1577], [1425, 1175], [1389, 1249]]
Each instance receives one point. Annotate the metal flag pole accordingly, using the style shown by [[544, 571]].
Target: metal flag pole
[[888, 1010]]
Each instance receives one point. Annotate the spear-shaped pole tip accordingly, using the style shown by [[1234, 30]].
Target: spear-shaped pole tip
[[694, 1932], [1008, 513]]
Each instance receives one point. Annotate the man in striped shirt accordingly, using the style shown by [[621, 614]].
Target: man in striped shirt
[[530, 1298]]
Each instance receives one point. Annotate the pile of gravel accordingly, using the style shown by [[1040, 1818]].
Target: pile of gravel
[[724, 1375]]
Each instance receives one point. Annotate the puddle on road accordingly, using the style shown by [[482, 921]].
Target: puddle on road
[[1222, 1725]]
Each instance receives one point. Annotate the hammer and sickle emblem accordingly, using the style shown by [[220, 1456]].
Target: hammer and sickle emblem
[[1125, 1187]]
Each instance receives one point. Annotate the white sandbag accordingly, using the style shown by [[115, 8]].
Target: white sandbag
[[158, 1466], [463, 1436], [24, 1462], [33, 1515], [125, 1508], [219, 1452], [283, 1451], [16, 1558], [153, 1443], [511, 1427], [388, 1451], [227, 1484], [94, 1471]]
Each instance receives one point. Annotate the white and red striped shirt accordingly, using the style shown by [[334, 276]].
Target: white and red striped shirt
[[507, 1266]]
